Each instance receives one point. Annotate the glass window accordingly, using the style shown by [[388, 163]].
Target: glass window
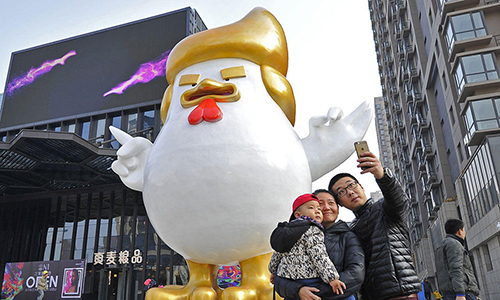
[[132, 123], [480, 180], [149, 119], [55, 127], [475, 68], [100, 129], [463, 27], [482, 114], [85, 130], [116, 122], [487, 258]]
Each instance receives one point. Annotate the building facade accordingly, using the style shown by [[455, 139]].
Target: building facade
[[383, 138], [439, 69], [59, 199]]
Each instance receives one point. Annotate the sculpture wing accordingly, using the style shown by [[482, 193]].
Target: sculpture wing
[[331, 138]]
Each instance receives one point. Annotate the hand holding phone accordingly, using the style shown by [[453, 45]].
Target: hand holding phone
[[361, 147]]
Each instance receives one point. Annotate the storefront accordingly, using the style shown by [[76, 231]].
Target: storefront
[[106, 225]]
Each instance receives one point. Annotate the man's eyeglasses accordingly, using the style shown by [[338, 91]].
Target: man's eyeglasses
[[351, 186]]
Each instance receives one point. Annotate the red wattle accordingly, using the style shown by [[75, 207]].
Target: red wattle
[[207, 110], [196, 116], [212, 112]]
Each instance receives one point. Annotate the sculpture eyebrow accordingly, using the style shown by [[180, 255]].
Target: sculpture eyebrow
[[233, 72], [189, 79]]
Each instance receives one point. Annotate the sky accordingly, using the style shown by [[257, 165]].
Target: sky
[[332, 61]]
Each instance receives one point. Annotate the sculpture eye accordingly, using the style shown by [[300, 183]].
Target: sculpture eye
[[233, 72], [189, 79]]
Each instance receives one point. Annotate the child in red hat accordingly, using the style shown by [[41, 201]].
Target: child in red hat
[[300, 249]]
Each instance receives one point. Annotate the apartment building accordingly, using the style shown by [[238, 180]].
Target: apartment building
[[383, 138], [439, 70]]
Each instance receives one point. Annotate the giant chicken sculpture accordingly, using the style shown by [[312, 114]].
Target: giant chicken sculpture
[[227, 162]]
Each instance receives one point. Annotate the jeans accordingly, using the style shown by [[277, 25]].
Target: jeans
[[453, 296], [41, 293]]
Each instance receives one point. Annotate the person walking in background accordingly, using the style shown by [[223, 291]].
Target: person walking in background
[[42, 285], [149, 283], [381, 226], [427, 289], [455, 275], [437, 294]]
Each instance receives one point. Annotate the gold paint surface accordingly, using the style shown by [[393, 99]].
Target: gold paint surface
[[220, 92], [258, 37], [280, 90], [234, 72], [189, 79], [200, 286], [255, 281], [165, 103]]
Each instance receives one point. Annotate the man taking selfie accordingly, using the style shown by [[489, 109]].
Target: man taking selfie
[[381, 226]]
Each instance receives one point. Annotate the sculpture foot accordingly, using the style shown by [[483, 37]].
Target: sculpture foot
[[255, 284], [200, 286]]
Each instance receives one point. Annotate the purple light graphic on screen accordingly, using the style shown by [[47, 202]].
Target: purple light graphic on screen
[[33, 73], [147, 72]]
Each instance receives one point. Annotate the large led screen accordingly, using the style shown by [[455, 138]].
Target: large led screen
[[93, 73]]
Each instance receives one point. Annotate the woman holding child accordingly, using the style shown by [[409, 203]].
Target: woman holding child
[[345, 251]]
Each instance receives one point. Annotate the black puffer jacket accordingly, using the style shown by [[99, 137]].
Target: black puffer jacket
[[346, 252], [382, 228]]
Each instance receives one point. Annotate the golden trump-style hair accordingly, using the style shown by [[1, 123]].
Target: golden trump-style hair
[[258, 37]]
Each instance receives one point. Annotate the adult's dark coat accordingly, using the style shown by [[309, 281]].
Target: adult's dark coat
[[346, 252], [381, 226], [454, 268]]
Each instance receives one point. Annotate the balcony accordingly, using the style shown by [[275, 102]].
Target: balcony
[[405, 28], [394, 92], [420, 119], [433, 179], [393, 10], [400, 6], [421, 163], [426, 187], [432, 215], [413, 73], [461, 46], [450, 6], [426, 147], [412, 115], [384, 31], [403, 143], [395, 106], [481, 119], [416, 96], [400, 49]]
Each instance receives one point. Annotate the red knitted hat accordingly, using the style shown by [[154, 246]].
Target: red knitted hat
[[301, 200]]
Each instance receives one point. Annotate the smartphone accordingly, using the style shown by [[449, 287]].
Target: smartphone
[[361, 147]]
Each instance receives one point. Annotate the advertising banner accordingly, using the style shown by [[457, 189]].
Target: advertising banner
[[64, 281], [92, 73]]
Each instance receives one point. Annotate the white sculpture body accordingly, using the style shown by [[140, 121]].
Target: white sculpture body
[[215, 191], [215, 185]]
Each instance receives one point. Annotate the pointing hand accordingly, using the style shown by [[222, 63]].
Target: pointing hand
[[132, 158]]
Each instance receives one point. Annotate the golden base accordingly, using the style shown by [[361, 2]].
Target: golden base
[[202, 283]]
